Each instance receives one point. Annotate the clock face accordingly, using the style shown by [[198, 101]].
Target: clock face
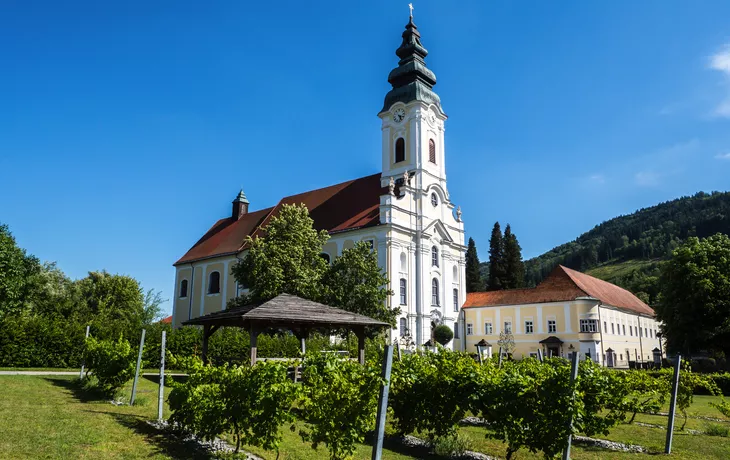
[[399, 115]]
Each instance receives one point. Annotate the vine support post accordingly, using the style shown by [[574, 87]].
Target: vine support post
[[383, 403], [573, 378], [83, 363], [161, 394], [136, 373], [479, 353], [500, 356], [673, 405], [539, 354]]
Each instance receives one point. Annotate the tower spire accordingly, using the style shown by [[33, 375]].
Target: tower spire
[[411, 80]]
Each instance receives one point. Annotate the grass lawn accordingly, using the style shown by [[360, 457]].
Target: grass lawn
[[49, 417]]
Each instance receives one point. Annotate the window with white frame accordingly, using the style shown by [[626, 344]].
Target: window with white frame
[[528, 327], [623, 327], [488, 328], [631, 331], [435, 256], [533, 354], [456, 300], [508, 327], [403, 327], [183, 288], [403, 287], [435, 292], [589, 325], [469, 329], [552, 326], [613, 330]]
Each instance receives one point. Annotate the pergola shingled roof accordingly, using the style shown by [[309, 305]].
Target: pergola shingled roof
[[285, 311]]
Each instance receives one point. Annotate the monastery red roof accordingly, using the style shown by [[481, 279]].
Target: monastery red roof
[[346, 206], [563, 284]]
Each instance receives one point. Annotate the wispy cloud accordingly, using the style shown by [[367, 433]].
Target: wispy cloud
[[597, 179], [723, 156], [646, 178], [720, 62]]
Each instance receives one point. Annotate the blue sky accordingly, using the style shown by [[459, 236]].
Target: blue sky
[[126, 129]]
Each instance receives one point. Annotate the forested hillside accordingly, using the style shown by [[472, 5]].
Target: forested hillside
[[627, 250]]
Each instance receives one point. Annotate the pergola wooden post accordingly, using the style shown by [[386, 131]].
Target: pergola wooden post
[[254, 335], [285, 311], [360, 333]]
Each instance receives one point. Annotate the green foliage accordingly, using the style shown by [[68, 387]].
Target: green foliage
[[111, 362], [723, 406], [443, 334], [647, 235], [17, 272], [646, 394], [251, 403], [473, 276], [339, 403], [432, 392], [695, 296], [355, 282], [287, 259], [714, 429], [529, 404], [506, 342], [514, 268], [497, 267], [452, 445]]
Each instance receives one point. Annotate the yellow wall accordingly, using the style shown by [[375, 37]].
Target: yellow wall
[[596, 343]]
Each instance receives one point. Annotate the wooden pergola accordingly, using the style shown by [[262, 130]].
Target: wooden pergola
[[286, 311]]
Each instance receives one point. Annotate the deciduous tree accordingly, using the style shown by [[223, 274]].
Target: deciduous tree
[[695, 296]]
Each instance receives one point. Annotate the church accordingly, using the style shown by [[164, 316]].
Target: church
[[404, 211]]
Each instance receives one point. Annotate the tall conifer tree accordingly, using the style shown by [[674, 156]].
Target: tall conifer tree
[[473, 278], [497, 272], [514, 268]]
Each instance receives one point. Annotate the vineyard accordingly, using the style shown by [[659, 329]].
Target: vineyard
[[528, 404]]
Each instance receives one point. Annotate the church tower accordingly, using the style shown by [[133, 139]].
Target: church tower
[[426, 242]]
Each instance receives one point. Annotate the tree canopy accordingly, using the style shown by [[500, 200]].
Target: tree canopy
[[514, 268], [473, 277], [695, 296], [497, 273], [288, 259]]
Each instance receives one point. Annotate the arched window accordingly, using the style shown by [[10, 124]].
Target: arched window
[[403, 327], [435, 292], [435, 256], [184, 288], [214, 283], [456, 300], [325, 256], [431, 151], [400, 150], [434, 200], [403, 297]]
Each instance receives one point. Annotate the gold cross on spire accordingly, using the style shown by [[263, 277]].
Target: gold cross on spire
[[410, 7]]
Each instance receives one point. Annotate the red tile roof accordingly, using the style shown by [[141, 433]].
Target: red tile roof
[[563, 284], [167, 320], [346, 206]]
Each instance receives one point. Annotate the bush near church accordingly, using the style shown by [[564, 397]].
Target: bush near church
[[112, 363], [443, 334]]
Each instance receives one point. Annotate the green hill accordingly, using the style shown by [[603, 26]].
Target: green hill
[[628, 250]]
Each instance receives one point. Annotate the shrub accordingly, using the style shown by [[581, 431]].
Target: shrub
[[443, 334], [432, 392], [339, 403], [714, 429], [111, 362], [452, 445], [249, 402]]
